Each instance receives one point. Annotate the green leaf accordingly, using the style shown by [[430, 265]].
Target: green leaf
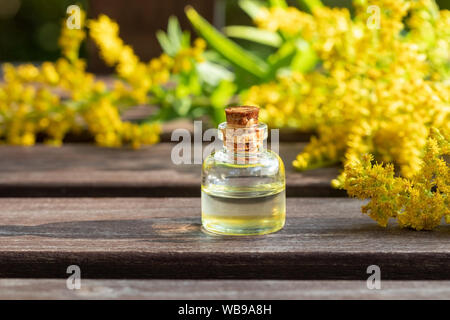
[[227, 48], [305, 59], [172, 41], [222, 94], [195, 86], [310, 5], [186, 39], [220, 98], [165, 43], [284, 53], [174, 33], [182, 106], [251, 7], [278, 3], [296, 55], [213, 73], [214, 57], [253, 34]]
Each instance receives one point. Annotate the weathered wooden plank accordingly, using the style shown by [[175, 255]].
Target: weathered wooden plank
[[87, 170], [12, 289], [162, 238]]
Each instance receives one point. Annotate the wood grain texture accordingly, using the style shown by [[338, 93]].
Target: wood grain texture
[[85, 170], [13, 289], [324, 238]]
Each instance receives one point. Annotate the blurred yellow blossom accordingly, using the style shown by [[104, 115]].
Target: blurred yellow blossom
[[30, 102], [376, 91], [70, 39]]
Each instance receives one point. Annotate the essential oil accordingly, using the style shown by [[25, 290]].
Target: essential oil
[[243, 185]]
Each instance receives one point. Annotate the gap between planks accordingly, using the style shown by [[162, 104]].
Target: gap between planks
[[81, 170]]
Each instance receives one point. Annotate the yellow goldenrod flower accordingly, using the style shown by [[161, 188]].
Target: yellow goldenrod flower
[[377, 91], [420, 202], [30, 102]]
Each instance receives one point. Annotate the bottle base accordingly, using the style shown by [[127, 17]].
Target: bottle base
[[220, 228]]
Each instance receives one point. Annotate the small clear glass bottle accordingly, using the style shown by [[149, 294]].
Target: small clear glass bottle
[[243, 184]]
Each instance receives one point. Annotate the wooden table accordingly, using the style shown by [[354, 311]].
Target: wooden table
[[123, 215]]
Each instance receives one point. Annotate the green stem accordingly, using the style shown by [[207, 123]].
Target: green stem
[[310, 5], [227, 48]]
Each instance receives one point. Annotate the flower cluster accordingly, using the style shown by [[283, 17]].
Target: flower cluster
[[140, 76], [115, 52], [420, 202], [54, 99], [283, 19], [375, 91], [291, 101], [103, 121], [25, 111], [71, 39]]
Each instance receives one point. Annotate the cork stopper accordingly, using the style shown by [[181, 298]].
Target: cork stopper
[[242, 135], [242, 116]]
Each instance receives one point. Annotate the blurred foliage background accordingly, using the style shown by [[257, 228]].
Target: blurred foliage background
[[29, 29]]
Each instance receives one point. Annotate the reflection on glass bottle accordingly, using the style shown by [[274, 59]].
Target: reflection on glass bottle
[[243, 184]]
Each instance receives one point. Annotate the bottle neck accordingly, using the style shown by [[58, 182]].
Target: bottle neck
[[243, 145]]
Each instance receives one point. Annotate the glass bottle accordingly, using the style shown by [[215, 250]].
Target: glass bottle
[[243, 184]]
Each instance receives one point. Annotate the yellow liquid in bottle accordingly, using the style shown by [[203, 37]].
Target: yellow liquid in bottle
[[254, 215]]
